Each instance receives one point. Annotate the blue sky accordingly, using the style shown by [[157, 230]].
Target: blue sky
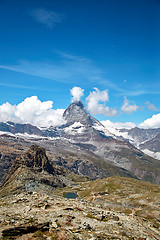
[[49, 47]]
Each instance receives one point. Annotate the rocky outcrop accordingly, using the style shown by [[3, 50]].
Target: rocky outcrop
[[8, 153], [35, 159], [33, 171]]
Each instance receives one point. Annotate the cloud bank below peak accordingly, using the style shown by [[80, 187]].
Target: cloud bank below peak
[[32, 111], [153, 122]]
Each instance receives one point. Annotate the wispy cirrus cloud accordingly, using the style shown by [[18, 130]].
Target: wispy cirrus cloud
[[73, 69], [19, 86], [67, 68], [46, 17]]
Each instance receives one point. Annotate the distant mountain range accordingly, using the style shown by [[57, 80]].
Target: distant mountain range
[[84, 146], [147, 140]]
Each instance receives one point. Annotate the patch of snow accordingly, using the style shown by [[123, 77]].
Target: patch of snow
[[103, 129], [76, 127], [117, 133], [9, 124], [42, 128], [152, 154], [7, 133], [26, 135]]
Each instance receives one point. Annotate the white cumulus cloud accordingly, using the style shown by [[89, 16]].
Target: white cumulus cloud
[[114, 128], [77, 93], [94, 105], [32, 111], [128, 108], [153, 122], [118, 125], [7, 112]]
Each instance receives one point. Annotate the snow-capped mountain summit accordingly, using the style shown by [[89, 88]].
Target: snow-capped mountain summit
[[80, 123], [76, 112]]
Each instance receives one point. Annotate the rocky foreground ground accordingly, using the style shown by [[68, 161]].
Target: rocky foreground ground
[[34, 215], [33, 204]]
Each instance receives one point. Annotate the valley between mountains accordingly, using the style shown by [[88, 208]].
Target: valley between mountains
[[116, 184]]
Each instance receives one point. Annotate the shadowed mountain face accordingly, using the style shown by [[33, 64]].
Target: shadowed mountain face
[[84, 146]]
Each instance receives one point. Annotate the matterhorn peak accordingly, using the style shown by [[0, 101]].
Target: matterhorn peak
[[76, 112]]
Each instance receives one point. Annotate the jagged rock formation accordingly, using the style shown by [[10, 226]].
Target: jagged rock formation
[[35, 160], [7, 155], [25, 228], [33, 171]]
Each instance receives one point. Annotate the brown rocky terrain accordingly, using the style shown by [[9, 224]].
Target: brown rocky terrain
[[8, 152], [48, 215], [34, 204]]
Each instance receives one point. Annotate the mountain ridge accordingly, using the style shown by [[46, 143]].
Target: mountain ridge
[[93, 146]]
